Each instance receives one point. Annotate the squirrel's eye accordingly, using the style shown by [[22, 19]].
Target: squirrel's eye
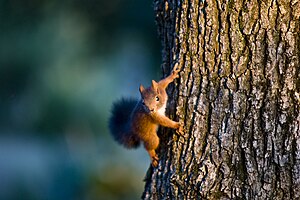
[[157, 98], [143, 102]]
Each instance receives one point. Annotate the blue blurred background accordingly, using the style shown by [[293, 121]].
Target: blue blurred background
[[62, 64]]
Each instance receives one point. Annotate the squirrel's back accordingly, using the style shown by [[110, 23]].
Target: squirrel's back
[[119, 123]]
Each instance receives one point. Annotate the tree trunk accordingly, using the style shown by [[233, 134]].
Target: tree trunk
[[238, 96]]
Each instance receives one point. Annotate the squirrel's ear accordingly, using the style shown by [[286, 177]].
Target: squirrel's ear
[[154, 85], [141, 88]]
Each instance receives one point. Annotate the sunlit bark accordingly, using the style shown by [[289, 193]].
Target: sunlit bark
[[238, 96]]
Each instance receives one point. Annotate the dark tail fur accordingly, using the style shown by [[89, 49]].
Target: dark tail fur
[[119, 123]]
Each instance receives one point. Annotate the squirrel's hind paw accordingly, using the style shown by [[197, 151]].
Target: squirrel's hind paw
[[154, 161]]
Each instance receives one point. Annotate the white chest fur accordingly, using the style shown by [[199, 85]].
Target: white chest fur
[[162, 110]]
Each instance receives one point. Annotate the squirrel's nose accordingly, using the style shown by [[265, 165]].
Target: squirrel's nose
[[152, 109]]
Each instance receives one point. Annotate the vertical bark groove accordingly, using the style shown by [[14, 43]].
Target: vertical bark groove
[[238, 96]]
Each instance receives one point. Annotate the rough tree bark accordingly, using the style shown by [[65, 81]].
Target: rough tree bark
[[238, 96]]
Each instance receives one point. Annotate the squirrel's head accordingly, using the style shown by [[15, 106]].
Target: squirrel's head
[[153, 98]]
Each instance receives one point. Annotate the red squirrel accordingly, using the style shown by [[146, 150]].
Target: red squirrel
[[133, 121]]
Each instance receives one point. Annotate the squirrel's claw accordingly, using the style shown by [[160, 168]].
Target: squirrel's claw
[[154, 161], [175, 76], [175, 71], [176, 67], [180, 130]]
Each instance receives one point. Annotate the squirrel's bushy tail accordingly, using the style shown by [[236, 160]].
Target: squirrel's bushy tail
[[119, 123]]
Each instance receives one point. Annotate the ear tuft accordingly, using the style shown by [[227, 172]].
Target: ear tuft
[[154, 85], [142, 88]]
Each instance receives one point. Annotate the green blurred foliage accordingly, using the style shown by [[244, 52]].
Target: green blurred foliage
[[62, 64]]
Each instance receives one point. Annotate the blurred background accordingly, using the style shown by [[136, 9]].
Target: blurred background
[[62, 64]]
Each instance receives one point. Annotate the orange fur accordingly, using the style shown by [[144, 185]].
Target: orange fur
[[135, 121], [146, 117]]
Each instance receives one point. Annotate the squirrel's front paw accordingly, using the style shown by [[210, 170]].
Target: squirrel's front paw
[[175, 71], [180, 129]]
